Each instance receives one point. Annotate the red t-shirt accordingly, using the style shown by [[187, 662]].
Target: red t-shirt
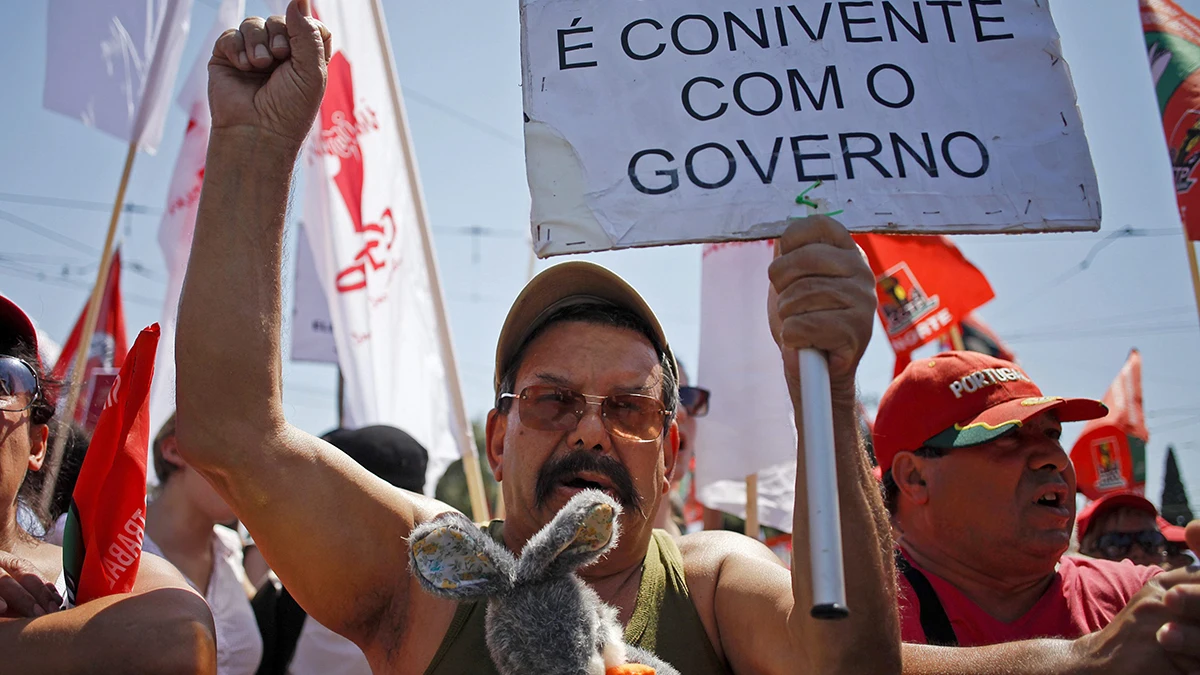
[[1084, 596]]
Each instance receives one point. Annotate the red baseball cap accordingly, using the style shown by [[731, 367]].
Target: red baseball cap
[[963, 399], [1109, 502], [15, 321], [1175, 534]]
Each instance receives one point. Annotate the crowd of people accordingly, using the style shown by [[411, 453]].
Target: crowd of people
[[268, 550]]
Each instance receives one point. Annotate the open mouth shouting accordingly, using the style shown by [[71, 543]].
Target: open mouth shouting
[[1054, 498]]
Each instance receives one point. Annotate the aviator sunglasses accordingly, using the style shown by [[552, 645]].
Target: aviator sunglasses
[[18, 384], [634, 417]]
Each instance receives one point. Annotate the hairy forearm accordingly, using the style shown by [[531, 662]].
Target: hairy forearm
[[163, 631], [227, 345], [868, 641], [1029, 657]]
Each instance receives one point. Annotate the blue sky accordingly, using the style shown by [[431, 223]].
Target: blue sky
[[459, 65]]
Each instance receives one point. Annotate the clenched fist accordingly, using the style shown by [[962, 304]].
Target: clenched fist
[[822, 297], [268, 75]]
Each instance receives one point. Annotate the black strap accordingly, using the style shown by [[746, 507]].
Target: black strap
[[280, 620], [934, 621]]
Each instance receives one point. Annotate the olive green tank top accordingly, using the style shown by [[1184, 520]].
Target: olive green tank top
[[662, 600]]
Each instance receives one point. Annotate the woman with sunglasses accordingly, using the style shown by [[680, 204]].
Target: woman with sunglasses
[[161, 627]]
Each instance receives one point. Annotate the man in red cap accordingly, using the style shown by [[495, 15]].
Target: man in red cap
[[981, 494], [1122, 526]]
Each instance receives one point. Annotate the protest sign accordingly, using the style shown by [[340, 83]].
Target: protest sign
[[703, 120]]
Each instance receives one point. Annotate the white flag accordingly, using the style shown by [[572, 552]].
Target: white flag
[[111, 63], [312, 326], [750, 426], [361, 217], [179, 216]]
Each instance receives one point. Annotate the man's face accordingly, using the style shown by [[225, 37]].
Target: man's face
[[1009, 501], [541, 470]]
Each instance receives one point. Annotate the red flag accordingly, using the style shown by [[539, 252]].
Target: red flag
[[106, 351], [924, 285], [102, 544], [978, 337], [1110, 455], [1173, 45]]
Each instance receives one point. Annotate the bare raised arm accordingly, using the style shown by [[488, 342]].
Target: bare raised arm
[[333, 533]]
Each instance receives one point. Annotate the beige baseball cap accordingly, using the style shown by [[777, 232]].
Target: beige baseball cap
[[571, 283]]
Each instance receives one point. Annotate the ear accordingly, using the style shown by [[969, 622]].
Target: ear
[[908, 472], [39, 435], [170, 453], [454, 559], [583, 531], [670, 454], [497, 427]]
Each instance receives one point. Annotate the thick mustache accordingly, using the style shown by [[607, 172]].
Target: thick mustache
[[558, 470]]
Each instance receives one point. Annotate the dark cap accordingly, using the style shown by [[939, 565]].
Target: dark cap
[[385, 451], [15, 322], [571, 283]]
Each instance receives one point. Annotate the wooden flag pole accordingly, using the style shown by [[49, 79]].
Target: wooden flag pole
[[67, 413], [752, 506], [956, 338], [470, 460], [1191, 254]]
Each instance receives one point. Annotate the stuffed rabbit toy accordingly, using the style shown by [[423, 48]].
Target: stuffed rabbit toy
[[542, 619]]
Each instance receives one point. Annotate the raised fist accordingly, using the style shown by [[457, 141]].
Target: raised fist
[[268, 75]]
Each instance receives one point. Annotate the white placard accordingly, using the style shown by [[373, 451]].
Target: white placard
[[677, 121]]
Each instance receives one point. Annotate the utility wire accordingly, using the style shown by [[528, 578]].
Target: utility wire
[[48, 233]]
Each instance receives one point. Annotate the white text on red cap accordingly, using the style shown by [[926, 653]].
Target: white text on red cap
[[985, 378]]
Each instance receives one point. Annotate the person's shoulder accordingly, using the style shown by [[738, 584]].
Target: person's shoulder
[[1098, 575], [708, 551]]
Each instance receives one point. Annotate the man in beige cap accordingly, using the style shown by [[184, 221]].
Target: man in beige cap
[[586, 390]]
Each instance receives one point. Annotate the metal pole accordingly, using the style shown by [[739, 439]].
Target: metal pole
[[820, 467]]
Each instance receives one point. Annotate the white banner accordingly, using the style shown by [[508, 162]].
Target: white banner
[[312, 326], [179, 218], [703, 120], [362, 222], [750, 426], [111, 63]]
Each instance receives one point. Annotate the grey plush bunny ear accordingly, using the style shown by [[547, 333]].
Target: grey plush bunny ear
[[452, 558], [583, 531]]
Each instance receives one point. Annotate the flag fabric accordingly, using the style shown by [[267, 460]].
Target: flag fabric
[[1173, 47], [925, 286], [111, 63], [978, 337], [102, 541], [105, 353], [363, 223], [312, 326], [752, 430], [179, 217], [1110, 454]]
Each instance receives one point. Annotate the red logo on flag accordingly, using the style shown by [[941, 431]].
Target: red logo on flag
[[1106, 455], [902, 301], [1184, 145], [342, 124]]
